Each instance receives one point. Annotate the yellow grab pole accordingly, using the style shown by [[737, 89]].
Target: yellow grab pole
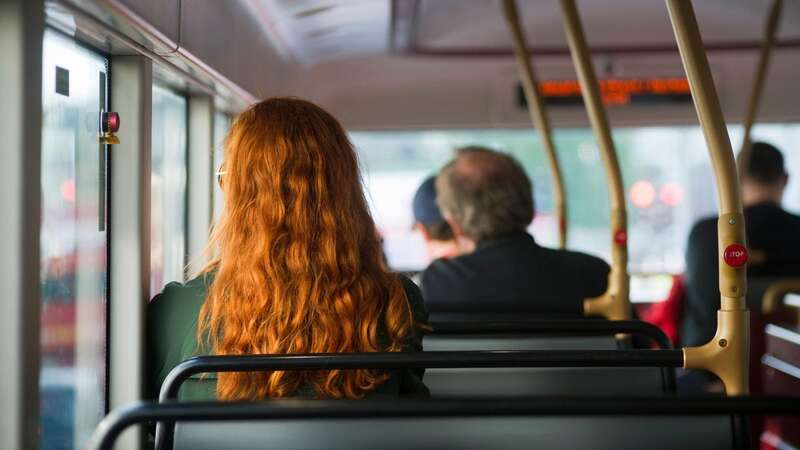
[[614, 304], [770, 31], [538, 116], [726, 354]]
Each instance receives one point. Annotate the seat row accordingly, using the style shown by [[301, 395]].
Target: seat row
[[493, 385]]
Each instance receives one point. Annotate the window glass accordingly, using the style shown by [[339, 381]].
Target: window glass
[[73, 244], [666, 171], [222, 122], [168, 189]]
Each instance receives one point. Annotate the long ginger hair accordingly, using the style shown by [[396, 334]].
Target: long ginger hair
[[297, 265]]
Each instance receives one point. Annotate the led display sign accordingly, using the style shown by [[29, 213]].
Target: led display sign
[[615, 91]]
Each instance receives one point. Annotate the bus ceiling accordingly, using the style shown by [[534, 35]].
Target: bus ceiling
[[404, 60], [315, 31], [423, 45]]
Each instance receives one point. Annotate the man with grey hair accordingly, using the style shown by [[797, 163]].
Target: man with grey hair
[[487, 199]]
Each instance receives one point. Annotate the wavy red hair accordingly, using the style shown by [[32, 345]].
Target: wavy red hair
[[298, 266]]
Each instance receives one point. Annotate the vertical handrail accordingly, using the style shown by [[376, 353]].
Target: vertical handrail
[[770, 32], [538, 116], [614, 304], [726, 354]]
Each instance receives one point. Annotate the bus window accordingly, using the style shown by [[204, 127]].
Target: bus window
[[666, 174], [73, 244], [168, 189], [222, 122]]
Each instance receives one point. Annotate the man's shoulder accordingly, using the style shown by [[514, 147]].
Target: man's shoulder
[[581, 257], [444, 277], [576, 260], [790, 217], [455, 264], [704, 228], [705, 222], [512, 255], [437, 268]]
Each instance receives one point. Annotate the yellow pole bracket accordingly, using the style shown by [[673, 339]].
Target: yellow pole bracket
[[538, 116], [770, 32], [773, 297], [615, 303], [726, 355]]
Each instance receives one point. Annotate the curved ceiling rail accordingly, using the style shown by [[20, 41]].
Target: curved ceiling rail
[[726, 354], [615, 303], [538, 116], [770, 33]]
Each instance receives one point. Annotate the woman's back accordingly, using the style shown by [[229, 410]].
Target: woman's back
[[172, 338], [298, 263]]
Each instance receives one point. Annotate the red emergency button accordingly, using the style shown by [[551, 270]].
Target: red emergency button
[[735, 255], [620, 237], [110, 122]]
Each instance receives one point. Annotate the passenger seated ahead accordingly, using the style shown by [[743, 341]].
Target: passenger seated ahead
[[428, 221], [773, 237], [488, 200], [297, 269]]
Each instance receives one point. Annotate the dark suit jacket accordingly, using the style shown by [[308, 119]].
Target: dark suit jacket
[[771, 232], [513, 274]]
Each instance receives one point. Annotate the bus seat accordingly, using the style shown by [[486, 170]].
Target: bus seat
[[597, 381], [474, 433], [537, 381], [516, 341], [489, 316]]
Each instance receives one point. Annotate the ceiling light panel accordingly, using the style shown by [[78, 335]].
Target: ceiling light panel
[[312, 31]]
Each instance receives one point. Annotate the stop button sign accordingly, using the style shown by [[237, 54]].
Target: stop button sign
[[735, 255]]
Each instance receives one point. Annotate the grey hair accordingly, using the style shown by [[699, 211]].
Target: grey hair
[[487, 193]]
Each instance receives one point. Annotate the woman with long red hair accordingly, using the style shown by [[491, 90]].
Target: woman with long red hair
[[297, 268]]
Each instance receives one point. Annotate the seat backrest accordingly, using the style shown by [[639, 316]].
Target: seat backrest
[[516, 382], [515, 341], [474, 433]]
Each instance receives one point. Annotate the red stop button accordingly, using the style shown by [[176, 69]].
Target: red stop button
[[735, 255], [620, 237], [110, 122]]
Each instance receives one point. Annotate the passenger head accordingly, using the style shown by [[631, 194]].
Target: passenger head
[[428, 220], [484, 194], [298, 261], [764, 178]]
